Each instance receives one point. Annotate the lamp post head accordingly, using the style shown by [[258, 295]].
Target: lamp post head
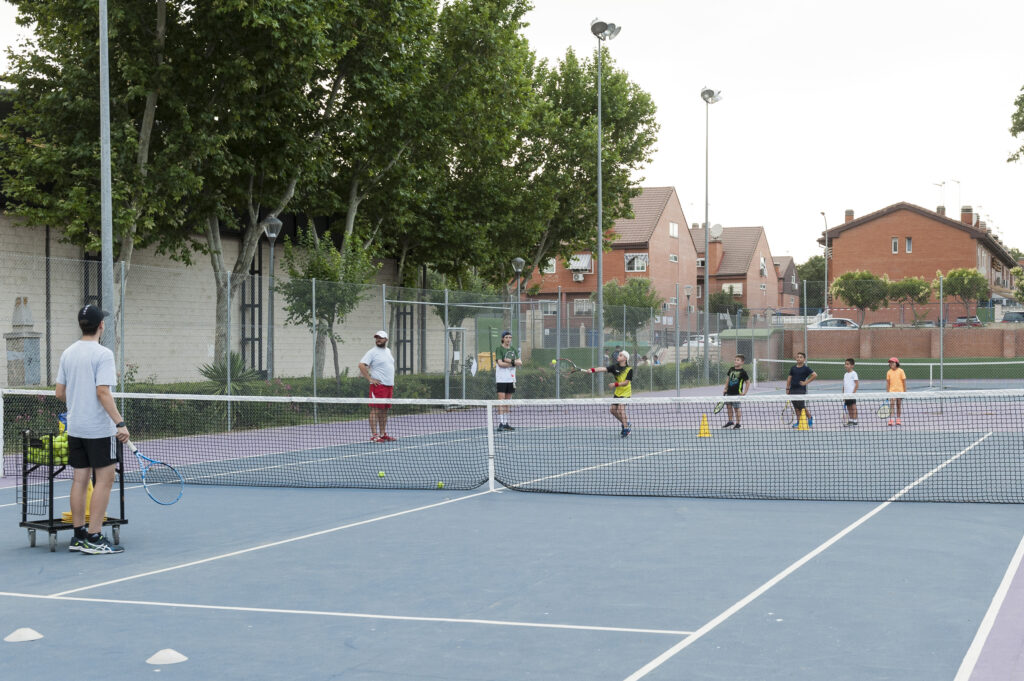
[[517, 264], [272, 227], [688, 289], [603, 30], [711, 96]]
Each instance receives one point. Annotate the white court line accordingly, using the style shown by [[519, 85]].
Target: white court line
[[357, 615], [270, 545], [746, 600], [974, 652]]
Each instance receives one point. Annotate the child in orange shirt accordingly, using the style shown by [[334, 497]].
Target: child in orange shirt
[[895, 382]]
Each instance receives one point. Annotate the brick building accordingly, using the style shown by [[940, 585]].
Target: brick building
[[904, 240], [654, 244], [741, 261], [789, 286]]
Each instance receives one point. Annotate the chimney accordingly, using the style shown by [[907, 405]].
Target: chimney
[[941, 210], [849, 215], [967, 215], [714, 256]]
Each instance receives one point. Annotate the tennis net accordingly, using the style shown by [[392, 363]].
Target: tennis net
[[951, 374], [949, 446]]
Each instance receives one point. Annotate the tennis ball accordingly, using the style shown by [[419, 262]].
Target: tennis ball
[[380, 474], [440, 485], [554, 362]]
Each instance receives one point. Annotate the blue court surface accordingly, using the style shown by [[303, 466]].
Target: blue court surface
[[276, 583]]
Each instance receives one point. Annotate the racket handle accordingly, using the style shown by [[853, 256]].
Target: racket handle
[[131, 447]]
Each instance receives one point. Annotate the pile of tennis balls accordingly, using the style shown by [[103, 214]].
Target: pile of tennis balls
[[42, 454]]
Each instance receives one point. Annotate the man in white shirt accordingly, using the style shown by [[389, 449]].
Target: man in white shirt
[[378, 367], [84, 377], [506, 361], [851, 381]]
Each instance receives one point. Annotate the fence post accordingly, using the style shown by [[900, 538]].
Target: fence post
[[677, 335], [558, 344], [315, 372], [942, 336], [805, 318], [446, 366], [227, 348], [384, 307], [120, 332]]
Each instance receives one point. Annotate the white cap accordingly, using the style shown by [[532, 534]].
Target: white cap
[[381, 334], [624, 353]]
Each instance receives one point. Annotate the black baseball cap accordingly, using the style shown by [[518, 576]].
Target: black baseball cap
[[91, 314]]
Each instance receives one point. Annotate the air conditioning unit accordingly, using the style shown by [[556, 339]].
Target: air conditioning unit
[[577, 276]]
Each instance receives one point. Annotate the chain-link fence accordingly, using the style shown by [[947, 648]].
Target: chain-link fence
[[186, 330]]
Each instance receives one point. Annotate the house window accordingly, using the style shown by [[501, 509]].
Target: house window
[[672, 302], [549, 307], [700, 290], [672, 257], [895, 244], [673, 230], [548, 266], [764, 287], [764, 269], [794, 279], [582, 262], [636, 262], [909, 245], [700, 262], [582, 306], [733, 289]]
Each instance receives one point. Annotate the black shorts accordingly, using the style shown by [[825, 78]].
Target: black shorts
[[849, 403], [735, 404], [798, 405], [86, 452], [507, 388]]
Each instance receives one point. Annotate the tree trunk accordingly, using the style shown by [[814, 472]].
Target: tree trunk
[[337, 366], [321, 353]]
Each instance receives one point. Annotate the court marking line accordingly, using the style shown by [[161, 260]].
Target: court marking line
[[355, 615], [269, 545], [988, 621], [756, 593]]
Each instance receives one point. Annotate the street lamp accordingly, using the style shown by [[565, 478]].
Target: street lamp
[[688, 289], [602, 31], [271, 227], [826, 262], [517, 265], [710, 97]]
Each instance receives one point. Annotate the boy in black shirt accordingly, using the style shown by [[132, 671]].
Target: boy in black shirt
[[796, 384], [736, 381]]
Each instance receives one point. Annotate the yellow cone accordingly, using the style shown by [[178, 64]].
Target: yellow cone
[[802, 424], [704, 430]]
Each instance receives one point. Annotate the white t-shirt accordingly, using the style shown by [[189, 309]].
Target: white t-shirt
[[381, 363], [504, 374], [850, 379], [83, 366]]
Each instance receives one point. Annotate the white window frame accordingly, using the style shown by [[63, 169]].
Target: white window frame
[[700, 262], [908, 245], [764, 287], [582, 307], [632, 261], [673, 230], [700, 290], [895, 245], [764, 267], [548, 266], [672, 257], [549, 307]]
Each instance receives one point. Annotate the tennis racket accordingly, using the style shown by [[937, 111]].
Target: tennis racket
[[883, 410], [566, 366], [718, 407], [788, 414], [163, 484]]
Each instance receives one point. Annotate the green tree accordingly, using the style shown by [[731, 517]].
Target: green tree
[[912, 291], [1018, 283], [813, 272], [340, 283], [966, 284], [1017, 126], [723, 302], [628, 308], [862, 290], [469, 296]]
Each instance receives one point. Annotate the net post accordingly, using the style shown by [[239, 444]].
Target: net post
[[3, 405], [490, 447]]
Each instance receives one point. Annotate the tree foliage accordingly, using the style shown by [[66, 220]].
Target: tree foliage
[[723, 302], [966, 284], [861, 289], [813, 272], [629, 307], [1017, 125], [912, 291], [1018, 283]]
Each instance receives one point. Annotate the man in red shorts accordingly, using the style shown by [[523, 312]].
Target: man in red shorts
[[378, 367]]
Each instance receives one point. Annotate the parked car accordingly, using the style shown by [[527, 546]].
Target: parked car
[[1015, 316], [926, 324], [967, 321], [835, 323], [879, 325]]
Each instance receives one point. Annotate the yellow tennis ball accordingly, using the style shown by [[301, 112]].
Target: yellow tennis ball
[[440, 485], [554, 362], [380, 474]]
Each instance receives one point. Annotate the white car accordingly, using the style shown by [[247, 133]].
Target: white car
[[835, 323]]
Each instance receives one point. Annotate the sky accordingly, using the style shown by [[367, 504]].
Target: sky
[[825, 106]]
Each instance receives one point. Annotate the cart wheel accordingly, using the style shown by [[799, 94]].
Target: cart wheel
[[117, 535], [31, 537], [53, 542]]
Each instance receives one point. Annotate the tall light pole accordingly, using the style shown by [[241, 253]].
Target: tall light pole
[[517, 265], [602, 31], [689, 291], [826, 261], [271, 227], [106, 209], [710, 97]]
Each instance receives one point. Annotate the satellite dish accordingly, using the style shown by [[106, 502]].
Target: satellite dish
[[716, 231]]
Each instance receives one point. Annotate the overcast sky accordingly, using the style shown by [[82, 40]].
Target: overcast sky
[[826, 106]]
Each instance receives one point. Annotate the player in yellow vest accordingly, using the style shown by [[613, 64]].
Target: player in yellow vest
[[622, 385]]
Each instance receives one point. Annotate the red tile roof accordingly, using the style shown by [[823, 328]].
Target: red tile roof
[[647, 210]]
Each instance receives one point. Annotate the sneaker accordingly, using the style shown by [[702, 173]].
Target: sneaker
[[898, 422], [852, 422], [891, 422], [627, 430], [77, 543], [100, 545], [728, 424], [502, 426], [508, 426], [810, 421], [736, 427], [376, 438], [795, 425], [387, 438]]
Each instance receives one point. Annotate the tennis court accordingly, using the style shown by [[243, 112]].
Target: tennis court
[[487, 583]]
